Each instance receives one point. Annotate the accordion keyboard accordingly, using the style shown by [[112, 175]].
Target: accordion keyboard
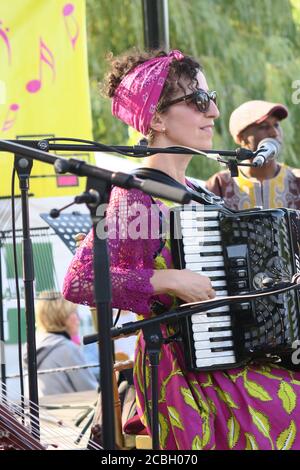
[[239, 252], [203, 253]]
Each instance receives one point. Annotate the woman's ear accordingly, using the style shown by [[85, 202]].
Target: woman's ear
[[157, 123]]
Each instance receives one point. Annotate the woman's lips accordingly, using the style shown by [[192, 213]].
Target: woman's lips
[[208, 129]]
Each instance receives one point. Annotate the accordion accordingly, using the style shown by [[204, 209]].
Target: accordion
[[240, 252]]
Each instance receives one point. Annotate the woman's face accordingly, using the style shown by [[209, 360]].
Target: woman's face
[[72, 324], [185, 125]]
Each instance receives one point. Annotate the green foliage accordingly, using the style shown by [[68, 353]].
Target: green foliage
[[112, 26], [249, 50]]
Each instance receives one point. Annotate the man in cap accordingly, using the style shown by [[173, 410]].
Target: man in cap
[[272, 185]]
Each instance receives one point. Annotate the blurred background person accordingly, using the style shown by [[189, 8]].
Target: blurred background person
[[57, 322], [272, 185]]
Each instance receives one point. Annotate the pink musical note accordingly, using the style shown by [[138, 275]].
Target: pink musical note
[[10, 117], [4, 36], [46, 57], [71, 23]]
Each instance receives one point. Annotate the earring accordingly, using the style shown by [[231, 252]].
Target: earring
[[163, 130]]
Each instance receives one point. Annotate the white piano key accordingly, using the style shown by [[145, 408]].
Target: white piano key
[[219, 283], [198, 257], [196, 248], [221, 293], [211, 274], [202, 335], [196, 327], [193, 239], [198, 318], [214, 248], [200, 228], [188, 214], [192, 223], [212, 362], [199, 216], [225, 308], [204, 318], [199, 266], [200, 223], [196, 223], [204, 353], [192, 232], [210, 259], [199, 345]]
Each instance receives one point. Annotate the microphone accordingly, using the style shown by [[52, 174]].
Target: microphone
[[267, 149]]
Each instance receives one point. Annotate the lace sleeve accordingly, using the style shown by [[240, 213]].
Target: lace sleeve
[[131, 252], [78, 282]]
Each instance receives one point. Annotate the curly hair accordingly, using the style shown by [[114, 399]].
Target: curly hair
[[120, 66]]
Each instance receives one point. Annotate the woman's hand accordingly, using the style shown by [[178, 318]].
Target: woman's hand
[[192, 287], [184, 284]]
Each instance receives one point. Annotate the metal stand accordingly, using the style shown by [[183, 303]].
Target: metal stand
[[233, 168], [103, 298], [2, 351], [154, 339], [156, 24], [97, 192], [23, 167]]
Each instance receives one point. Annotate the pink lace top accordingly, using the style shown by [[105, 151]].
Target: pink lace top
[[132, 261]]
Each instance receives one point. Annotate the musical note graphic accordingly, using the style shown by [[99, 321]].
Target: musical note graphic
[[4, 37], [10, 117], [71, 23], [46, 57]]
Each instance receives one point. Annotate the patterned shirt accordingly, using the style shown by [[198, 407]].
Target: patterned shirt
[[245, 192]]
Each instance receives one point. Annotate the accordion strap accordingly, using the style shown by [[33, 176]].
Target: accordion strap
[[205, 196]]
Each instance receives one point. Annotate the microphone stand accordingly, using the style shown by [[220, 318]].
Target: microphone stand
[[2, 350], [139, 150], [99, 191], [234, 158], [23, 168], [102, 287]]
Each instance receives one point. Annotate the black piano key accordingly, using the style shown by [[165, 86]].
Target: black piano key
[[216, 350]]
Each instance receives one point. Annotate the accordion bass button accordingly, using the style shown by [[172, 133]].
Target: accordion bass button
[[241, 273], [237, 262], [238, 285]]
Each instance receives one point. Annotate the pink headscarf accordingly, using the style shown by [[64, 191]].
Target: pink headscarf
[[137, 95]]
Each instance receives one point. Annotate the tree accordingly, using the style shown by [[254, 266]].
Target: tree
[[249, 50]]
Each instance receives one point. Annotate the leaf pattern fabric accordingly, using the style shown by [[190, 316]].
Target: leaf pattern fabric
[[229, 413], [288, 397], [286, 439]]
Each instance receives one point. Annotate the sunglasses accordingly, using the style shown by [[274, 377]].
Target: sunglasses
[[200, 98]]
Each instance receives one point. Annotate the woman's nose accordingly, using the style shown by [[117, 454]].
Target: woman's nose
[[213, 110]]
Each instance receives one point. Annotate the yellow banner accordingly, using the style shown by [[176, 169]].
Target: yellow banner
[[44, 88]]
